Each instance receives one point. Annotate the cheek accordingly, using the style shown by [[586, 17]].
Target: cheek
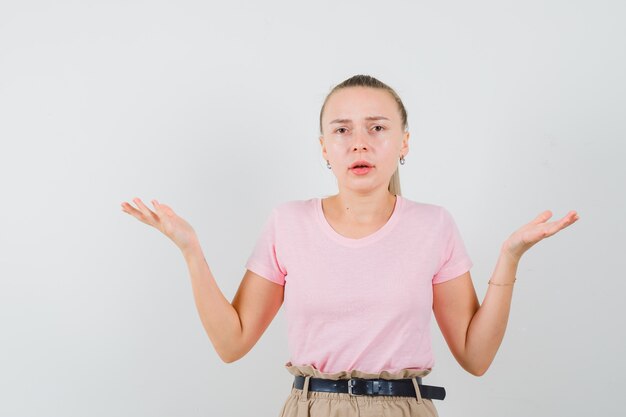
[[335, 148], [388, 147]]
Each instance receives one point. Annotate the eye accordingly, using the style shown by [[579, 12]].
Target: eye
[[381, 128], [337, 130]]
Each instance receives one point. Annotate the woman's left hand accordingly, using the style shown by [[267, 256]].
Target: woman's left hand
[[525, 237]]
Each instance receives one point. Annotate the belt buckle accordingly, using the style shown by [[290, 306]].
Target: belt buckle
[[350, 385]]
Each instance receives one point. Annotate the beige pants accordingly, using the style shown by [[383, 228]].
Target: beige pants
[[305, 403]]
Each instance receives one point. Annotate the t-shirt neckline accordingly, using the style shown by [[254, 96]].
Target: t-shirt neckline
[[372, 237]]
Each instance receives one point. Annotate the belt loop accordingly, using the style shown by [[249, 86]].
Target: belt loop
[[303, 404], [418, 394], [304, 395]]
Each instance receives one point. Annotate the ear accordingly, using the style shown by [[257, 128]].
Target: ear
[[321, 139], [405, 144]]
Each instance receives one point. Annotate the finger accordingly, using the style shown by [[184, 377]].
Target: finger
[[166, 209], [157, 208], [568, 219], [556, 226], [542, 217], [145, 210], [130, 209], [571, 216], [162, 209]]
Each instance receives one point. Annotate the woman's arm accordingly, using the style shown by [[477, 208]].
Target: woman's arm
[[474, 332], [233, 328]]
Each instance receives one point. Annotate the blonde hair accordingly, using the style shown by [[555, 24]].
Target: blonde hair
[[371, 82]]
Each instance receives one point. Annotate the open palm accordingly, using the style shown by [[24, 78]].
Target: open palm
[[165, 220], [528, 235]]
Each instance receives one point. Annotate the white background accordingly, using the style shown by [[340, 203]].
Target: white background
[[213, 108]]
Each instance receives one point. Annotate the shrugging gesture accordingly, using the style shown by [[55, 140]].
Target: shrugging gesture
[[475, 331], [528, 235], [165, 220]]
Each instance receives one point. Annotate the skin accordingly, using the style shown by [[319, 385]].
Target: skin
[[473, 331], [363, 203]]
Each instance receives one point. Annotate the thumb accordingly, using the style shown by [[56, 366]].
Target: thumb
[[163, 209]]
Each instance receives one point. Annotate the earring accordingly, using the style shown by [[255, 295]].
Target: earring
[[402, 160], [328, 164]]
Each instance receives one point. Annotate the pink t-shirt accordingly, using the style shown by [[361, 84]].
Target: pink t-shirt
[[361, 304]]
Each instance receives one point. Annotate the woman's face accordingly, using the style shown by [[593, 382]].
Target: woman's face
[[362, 123]]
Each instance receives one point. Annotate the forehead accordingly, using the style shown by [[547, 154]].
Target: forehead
[[358, 103]]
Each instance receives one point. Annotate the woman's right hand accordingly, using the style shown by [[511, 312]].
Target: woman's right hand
[[165, 220]]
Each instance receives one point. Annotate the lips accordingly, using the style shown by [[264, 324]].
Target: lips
[[360, 164]]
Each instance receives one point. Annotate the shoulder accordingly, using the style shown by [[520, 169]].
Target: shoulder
[[429, 215], [423, 210], [294, 205], [294, 209]]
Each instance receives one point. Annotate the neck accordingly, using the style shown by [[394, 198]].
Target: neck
[[364, 208]]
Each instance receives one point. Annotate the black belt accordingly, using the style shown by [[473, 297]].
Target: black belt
[[359, 386]]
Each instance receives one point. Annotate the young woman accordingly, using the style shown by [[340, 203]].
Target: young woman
[[359, 273]]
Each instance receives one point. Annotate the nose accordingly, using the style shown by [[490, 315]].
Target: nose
[[360, 141]]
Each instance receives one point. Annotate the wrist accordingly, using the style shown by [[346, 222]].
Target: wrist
[[506, 253], [503, 284], [506, 269], [191, 248]]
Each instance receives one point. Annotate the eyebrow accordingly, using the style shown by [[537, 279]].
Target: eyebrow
[[367, 118]]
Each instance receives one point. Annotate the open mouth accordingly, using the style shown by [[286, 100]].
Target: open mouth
[[361, 164], [360, 170]]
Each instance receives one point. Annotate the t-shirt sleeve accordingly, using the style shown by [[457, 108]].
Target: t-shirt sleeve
[[454, 259], [264, 259]]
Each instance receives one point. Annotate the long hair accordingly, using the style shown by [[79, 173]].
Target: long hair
[[369, 81]]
